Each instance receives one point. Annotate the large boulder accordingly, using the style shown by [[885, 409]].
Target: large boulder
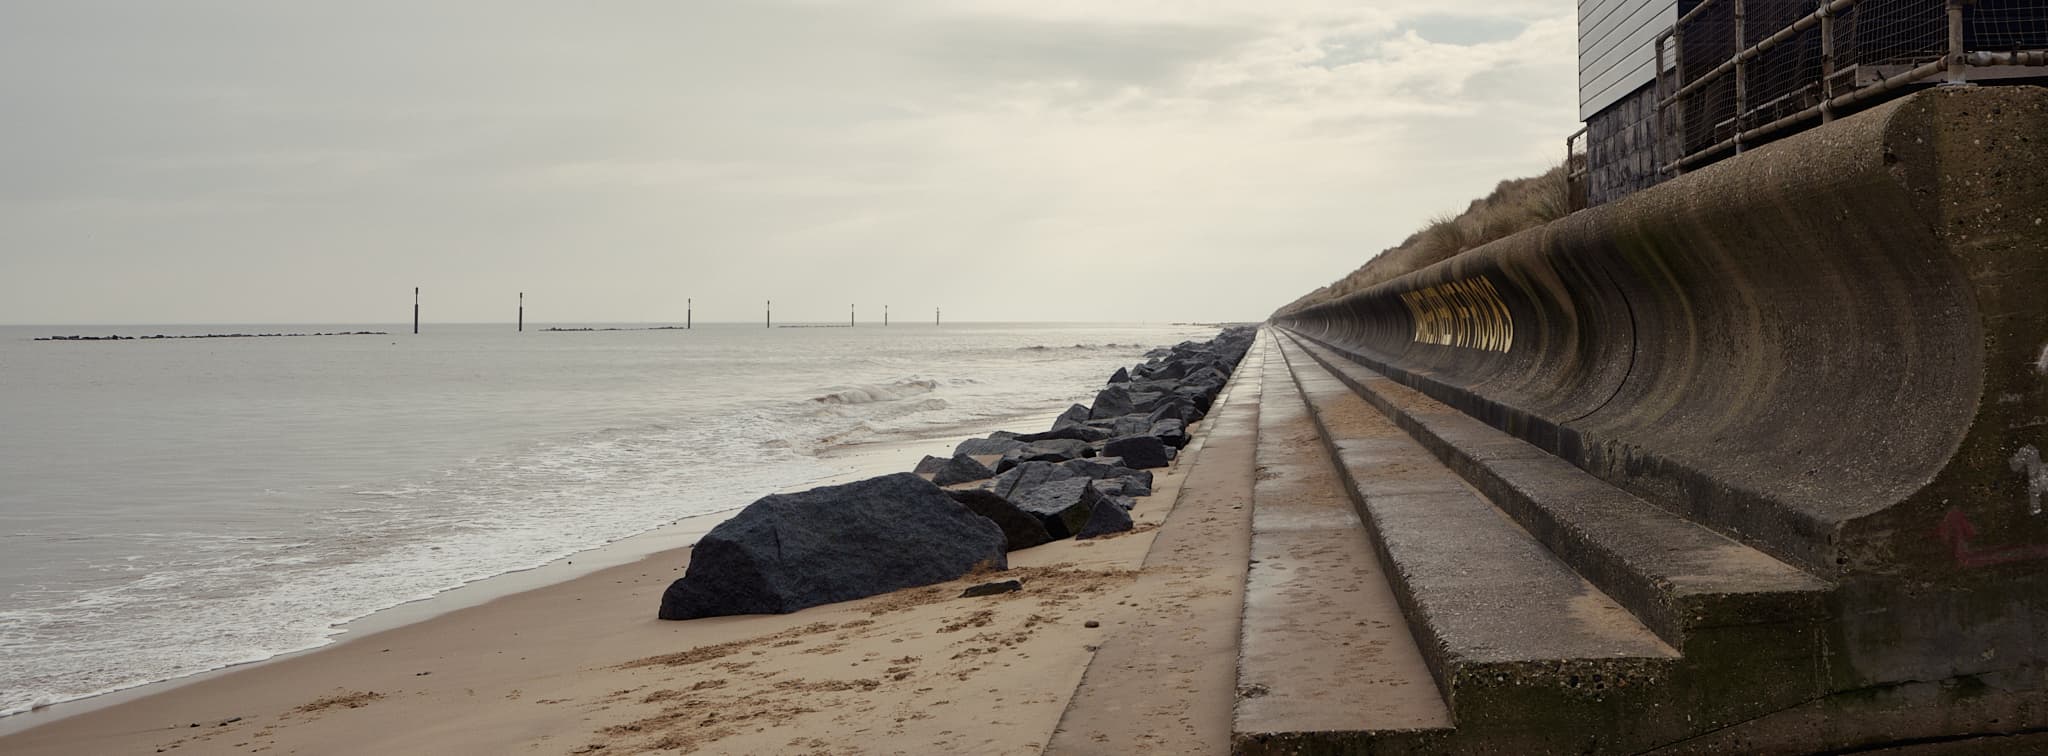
[[1178, 407], [1049, 450], [960, 468], [1120, 376], [1211, 377], [1075, 415], [1021, 529], [787, 552], [1111, 402], [1173, 432], [1064, 506], [1019, 480], [1105, 518], [1075, 432], [1130, 482], [1112, 489], [1139, 452], [1172, 370], [1131, 425], [988, 446]]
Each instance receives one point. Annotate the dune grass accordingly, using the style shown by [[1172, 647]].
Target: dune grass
[[1514, 205]]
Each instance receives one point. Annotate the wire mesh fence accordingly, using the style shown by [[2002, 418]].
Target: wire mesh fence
[[2006, 25], [1746, 69]]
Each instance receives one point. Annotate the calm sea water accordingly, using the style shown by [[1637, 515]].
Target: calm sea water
[[170, 507]]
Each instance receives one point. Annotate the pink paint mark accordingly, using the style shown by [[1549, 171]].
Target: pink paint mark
[[1956, 530]]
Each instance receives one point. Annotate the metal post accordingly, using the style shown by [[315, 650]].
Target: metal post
[[1958, 68], [415, 310], [1657, 113], [1741, 77], [935, 316], [769, 319], [885, 316], [522, 312], [850, 311], [689, 313], [1827, 63], [1678, 121]]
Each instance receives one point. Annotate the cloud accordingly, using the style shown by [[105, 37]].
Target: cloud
[[1007, 160]]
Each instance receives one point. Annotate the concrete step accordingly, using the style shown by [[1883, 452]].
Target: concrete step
[[1680, 578], [1164, 683], [1325, 658], [1529, 655]]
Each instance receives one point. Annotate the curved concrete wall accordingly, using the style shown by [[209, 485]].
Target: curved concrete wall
[[1832, 347]]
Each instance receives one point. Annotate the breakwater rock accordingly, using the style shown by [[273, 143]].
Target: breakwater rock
[[791, 551], [1002, 493]]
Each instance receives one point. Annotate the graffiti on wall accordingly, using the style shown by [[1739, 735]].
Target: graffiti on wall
[[1467, 313], [2027, 462], [1961, 535]]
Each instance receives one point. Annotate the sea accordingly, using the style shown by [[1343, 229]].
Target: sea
[[170, 507]]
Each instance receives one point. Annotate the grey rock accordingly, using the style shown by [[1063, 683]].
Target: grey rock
[[1131, 425], [1111, 402], [993, 589], [787, 552], [960, 469], [1050, 450], [1130, 482], [1173, 432], [1075, 432], [1112, 489], [986, 446], [1021, 530], [1063, 505], [1019, 481], [1075, 415], [1105, 518], [1139, 452]]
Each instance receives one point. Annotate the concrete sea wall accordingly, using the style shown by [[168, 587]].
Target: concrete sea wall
[[1833, 348]]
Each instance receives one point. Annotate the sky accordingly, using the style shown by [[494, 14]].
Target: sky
[[273, 161]]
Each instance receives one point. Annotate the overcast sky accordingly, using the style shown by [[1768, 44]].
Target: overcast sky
[[274, 161]]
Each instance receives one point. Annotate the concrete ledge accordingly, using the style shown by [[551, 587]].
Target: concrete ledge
[[1525, 650], [1326, 660], [1675, 575]]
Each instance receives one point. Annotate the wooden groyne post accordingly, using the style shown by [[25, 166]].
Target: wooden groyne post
[[415, 310], [522, 312], [769, 319], [689, 313]]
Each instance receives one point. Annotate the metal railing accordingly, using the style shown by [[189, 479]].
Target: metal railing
[[1577, 171], [1733, 73]]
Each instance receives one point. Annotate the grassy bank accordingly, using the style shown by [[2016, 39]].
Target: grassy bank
[[1514, 205]]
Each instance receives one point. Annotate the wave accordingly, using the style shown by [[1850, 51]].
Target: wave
[[1082, 347], [870, 394]]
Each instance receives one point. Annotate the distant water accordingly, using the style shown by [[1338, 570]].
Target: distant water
[[170, 507]]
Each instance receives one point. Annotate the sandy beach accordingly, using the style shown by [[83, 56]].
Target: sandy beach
[[583, 666]]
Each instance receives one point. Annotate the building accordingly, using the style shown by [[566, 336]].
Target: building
[[1667, 86]]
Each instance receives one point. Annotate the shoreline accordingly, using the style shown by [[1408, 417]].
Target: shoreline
[[669, 541], [584, 667]]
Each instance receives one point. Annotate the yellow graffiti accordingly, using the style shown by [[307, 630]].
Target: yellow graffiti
[[1466, 313]]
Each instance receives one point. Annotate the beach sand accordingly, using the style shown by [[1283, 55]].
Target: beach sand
[[583, 667]]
